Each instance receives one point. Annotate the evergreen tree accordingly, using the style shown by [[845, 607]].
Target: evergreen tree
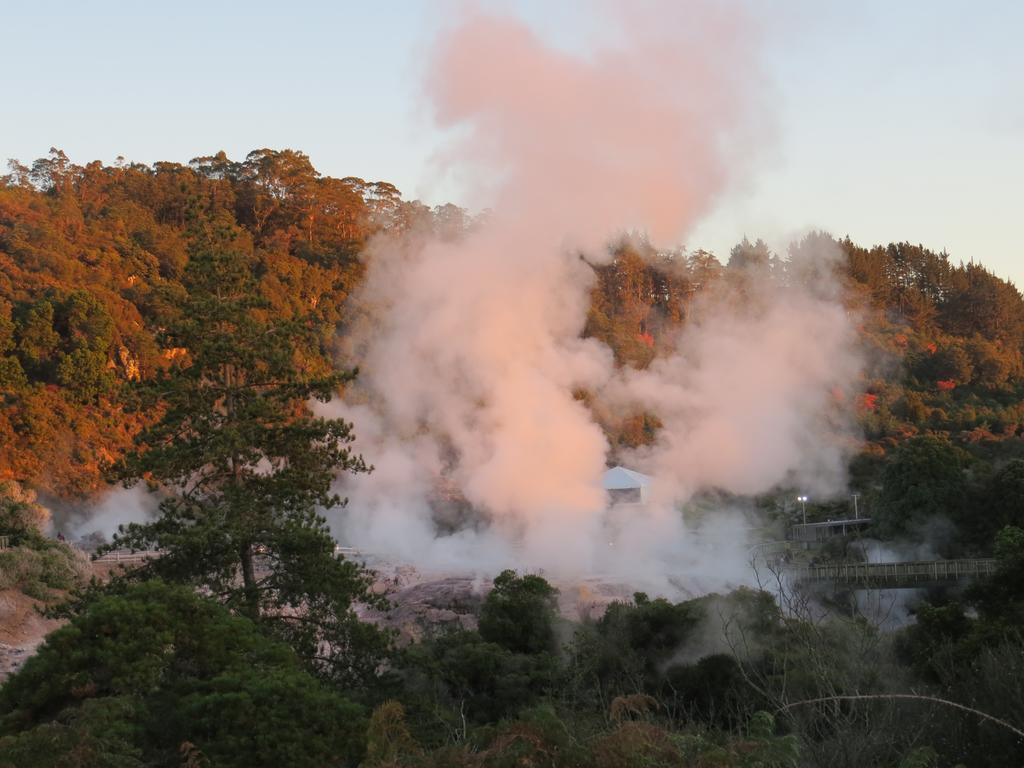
[[519, 613], [1006, 496], [151, 673], [926, 478], [245, 465], [39, 341]]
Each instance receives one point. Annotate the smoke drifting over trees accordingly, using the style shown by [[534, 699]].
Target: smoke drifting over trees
[[478, 371], [175, 322]]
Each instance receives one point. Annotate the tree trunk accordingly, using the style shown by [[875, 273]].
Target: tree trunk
[[252, 604]]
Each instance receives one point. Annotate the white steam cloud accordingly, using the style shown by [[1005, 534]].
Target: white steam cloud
[[471, 349], [121, 506], [750, 401]]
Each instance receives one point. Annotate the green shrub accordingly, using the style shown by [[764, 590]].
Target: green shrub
[[193, 679], [41, 567], [21, 518], [519, 613]]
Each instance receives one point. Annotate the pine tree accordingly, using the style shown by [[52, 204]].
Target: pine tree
[[244, 465]]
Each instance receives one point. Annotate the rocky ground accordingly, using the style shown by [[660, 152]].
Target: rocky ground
[[22, 629], [22, 626], [421, 608], [427, 602], [422, 603]]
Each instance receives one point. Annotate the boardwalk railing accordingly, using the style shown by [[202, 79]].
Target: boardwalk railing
[[124, 555], [127, 556], [892, 574], [346, 552], [812, 532]]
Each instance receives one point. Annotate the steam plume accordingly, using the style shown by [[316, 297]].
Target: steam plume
[[473, 349]]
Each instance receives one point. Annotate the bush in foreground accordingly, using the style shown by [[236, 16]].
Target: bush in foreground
[[155, 673]]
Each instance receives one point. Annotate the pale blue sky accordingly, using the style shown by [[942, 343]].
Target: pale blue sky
[[892, 120]]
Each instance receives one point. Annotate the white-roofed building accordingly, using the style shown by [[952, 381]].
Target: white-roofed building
[[624, 486]]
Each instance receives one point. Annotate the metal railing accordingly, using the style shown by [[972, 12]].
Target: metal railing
[[813, 532], [346, 552], [892, 574], [127, 556]]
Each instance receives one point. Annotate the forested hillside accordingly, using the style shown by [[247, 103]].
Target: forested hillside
[[93, 257], [173, 323]]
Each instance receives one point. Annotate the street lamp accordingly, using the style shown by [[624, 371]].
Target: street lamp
[[803, 506]]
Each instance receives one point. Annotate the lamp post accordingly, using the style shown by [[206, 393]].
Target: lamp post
[[803, 506], [856, 512]]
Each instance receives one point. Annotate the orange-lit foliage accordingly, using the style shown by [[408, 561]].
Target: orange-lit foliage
[[118, 237], [868, 402], [92, 258], [640, 296]]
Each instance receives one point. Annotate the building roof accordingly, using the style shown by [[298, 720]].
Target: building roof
[[620, 479]]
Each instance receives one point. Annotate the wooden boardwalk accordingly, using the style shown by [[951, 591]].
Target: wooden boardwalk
[[910, 574]]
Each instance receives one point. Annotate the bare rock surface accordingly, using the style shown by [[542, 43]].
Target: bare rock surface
[[425, 603], [22, 630], [422, 604]]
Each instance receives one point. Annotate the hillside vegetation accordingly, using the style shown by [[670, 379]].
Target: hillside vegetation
[[92, 260], [172, 325]]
